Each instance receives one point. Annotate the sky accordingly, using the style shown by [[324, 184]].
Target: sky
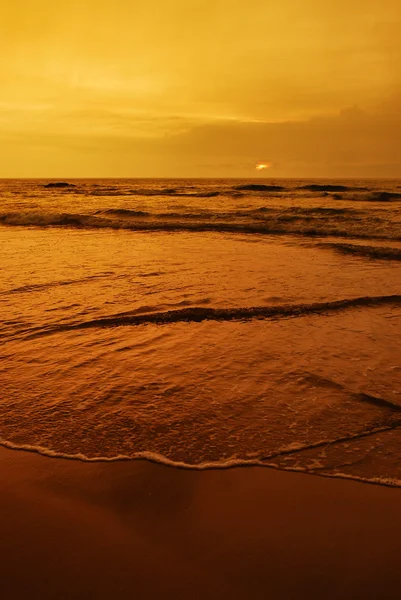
[[200, 88]]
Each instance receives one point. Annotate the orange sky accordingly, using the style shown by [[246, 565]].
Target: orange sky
[[200, 88]]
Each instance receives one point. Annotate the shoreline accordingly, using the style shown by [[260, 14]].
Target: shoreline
[[72, 530], [156, 459]]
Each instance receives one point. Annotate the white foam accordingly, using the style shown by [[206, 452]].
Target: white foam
[[149, 456], [203, 466]]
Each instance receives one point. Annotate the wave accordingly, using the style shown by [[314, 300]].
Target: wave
[[118, 191], [124, 212], [329, 188], [386, 196], [155, 192], [291, 189], [45, 286], [127, 212], [223, 464], [243, 222], [394, 423], [144, 455], [377, 401], [371, 197], [258, 187], [196, 314], [324, 211], [59, 184], [374, 252], [53, 219]]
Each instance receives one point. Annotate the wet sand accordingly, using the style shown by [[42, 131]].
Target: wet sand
[[70, 530]]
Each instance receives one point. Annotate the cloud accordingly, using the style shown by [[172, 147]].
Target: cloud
[[200, 87], [351, 143], [102, 142]]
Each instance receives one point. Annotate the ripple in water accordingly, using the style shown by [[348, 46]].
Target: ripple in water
[[204, 349]]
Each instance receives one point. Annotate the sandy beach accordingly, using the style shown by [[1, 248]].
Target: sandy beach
[[72, 530]]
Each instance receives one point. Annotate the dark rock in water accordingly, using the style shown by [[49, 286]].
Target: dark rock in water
[[386, 196], [59, 184], [325, 188], [258, 187]]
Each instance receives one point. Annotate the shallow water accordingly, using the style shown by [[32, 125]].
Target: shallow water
[[201, 324]]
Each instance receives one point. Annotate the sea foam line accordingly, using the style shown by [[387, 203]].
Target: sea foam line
[[155, 458]]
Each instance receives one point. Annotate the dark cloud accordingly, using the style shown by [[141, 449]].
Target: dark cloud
[[352, 143]]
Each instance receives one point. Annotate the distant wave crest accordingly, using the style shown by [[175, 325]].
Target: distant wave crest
[[305, 221]]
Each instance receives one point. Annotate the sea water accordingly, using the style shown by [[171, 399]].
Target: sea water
[[204, 323]]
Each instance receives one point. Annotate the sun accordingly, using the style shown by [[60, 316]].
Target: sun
[[260, 166]]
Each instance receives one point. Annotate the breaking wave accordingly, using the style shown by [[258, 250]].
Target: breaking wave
[[308, 222]]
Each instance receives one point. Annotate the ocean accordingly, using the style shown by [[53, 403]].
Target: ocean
[[204, 323]]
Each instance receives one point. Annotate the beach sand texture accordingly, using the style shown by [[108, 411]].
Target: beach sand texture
[[71, 530]]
